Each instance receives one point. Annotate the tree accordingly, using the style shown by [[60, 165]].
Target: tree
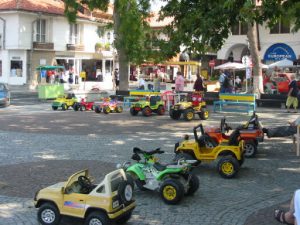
[[132, 32], [201, 24]]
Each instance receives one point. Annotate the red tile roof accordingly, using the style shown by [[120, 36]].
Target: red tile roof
[[154, 21], [45, 6]]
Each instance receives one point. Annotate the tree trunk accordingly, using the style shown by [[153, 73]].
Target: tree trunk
[[122, 57], [256, 62]]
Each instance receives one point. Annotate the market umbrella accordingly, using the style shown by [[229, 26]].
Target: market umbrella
[[282, 63], [230, 66]]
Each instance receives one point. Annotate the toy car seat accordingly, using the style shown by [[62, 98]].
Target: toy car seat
[[234, 137], [154, 100]]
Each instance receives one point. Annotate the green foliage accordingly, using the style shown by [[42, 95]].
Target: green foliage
[[200, 24], [132, 34]]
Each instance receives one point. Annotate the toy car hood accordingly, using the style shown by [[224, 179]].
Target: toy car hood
[[75, 176], [184, 104]]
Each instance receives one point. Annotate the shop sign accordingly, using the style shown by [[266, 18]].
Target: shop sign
[[278, 52]]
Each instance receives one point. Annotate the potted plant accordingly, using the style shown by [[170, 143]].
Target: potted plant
[[98, 46]]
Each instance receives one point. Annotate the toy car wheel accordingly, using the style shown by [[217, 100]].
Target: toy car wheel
[[76, 106], [48, 214], [171, 191], [82, 108], [106, 110], [133, 112], [175, 115], [119, 109], [64, 107], [188, 114], [161, 110], [193, 184], [98, 109], [124, 219], [54, 107], [125, 190], [147, 111], [250, 149], [228, 166], [97, 218], [204, 114]]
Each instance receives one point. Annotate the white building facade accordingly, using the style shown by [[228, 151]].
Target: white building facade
[[275, 44], [31, 38]]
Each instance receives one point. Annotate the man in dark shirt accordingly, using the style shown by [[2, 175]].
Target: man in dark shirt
[[292, 95]]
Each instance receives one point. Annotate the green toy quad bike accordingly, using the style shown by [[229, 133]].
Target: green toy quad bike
[[64, 102], [171, 181], [147, 107], [195, 105], [230, 154]]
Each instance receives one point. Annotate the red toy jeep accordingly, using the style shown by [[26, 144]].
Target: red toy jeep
[[251, 133]]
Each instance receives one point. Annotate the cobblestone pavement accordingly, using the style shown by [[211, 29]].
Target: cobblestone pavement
[[39, 147]]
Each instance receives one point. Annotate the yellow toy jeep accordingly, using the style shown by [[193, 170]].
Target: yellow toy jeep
[[64, 101], [111, 200], [229, 153]]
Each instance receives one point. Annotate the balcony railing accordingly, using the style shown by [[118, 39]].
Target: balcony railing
[[73, 47], [43, 45]]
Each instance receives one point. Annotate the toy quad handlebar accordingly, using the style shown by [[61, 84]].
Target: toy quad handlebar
[[153, 152]]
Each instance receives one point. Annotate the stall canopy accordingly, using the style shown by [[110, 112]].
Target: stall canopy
[[282, 63], [230, 66]]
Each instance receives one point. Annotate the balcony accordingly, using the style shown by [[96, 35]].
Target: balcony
[[43, 45], [75, 47]]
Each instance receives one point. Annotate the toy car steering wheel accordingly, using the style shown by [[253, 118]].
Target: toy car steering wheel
[[84, 182]]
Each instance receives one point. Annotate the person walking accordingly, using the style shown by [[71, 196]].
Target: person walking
[[179, 82], [224, 82], [292, 95], [156, 83], [198, 85], [117, 78]]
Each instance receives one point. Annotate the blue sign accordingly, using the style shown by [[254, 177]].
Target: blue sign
[[278, 52]]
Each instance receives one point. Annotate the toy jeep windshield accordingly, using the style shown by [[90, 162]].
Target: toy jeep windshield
[[111, 200]]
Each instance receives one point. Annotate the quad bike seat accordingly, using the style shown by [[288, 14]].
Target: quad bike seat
[[159, 166]]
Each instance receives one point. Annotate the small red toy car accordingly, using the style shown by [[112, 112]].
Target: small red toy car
[[251, 133], [83, 105], [109, 105]]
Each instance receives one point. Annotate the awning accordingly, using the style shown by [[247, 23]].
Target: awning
[[48, 67]]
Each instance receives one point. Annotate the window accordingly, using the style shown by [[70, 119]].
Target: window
[[239, 29], [282, 27], [16, 67], [40, 32], [74, 34]]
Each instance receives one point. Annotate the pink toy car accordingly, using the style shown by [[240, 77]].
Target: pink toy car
[[108, 106]]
